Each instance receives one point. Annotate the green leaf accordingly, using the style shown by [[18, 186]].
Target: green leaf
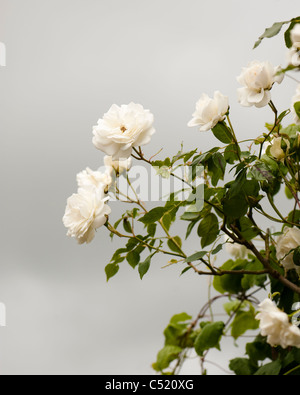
[[222, 133], [259, 350], [231, 154], [231, 283], [233, 306], [111, 270], [151, 229], [176, 329], [216, 167], [190, 229], [165, 356], [250, 280], [271, 369], [127, 226], [219, 162], [262, 172], [291, 130], [270, 32], [196, 257], [209, 337], [217, 249], [208, 230], [243, 322], [248, 230], [133, 258], [175, 244], [297, 108], [180, 318], [144, 266], [242, 367], [153, 216], [235, 207]]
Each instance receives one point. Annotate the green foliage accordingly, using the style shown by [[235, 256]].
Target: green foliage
[[111, 270], [165, 356], [208, 230], [144, 267], [177, 338], [242, 367], [209, 337], [223, 133], [244, 321]]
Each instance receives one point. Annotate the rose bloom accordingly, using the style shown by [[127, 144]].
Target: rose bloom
[[257, 80], [88, 178], [285, 245], [293, 57], [210, 111], [86, 211], [118, 167], [295, 36], [276, 151], [275, 324], [295, 100], [123, 128]]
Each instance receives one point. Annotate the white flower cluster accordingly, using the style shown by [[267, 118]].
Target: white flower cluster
[[275, 324], [257, 80], [120, 130]]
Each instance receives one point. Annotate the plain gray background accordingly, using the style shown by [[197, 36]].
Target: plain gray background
[[67, 62]]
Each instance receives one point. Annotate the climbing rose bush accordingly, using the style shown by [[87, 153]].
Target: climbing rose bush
[[230, 203]]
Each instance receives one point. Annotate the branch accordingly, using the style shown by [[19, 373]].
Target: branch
[[238, 238]]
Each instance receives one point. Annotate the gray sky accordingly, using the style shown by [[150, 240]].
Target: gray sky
[[67, 62]]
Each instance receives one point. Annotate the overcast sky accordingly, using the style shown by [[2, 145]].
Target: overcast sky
[[68, 61]]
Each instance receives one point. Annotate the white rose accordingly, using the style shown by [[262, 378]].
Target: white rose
[[295, 100], [118, 166], [257, 80], [293, 57], [276, 151], [123, 128], [275, 324], [89, 178], [86, 211], [295, 36], [285, 245], [236, 250], [210, 111]]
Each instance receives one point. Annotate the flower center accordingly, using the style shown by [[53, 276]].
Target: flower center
[[123, 129]]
